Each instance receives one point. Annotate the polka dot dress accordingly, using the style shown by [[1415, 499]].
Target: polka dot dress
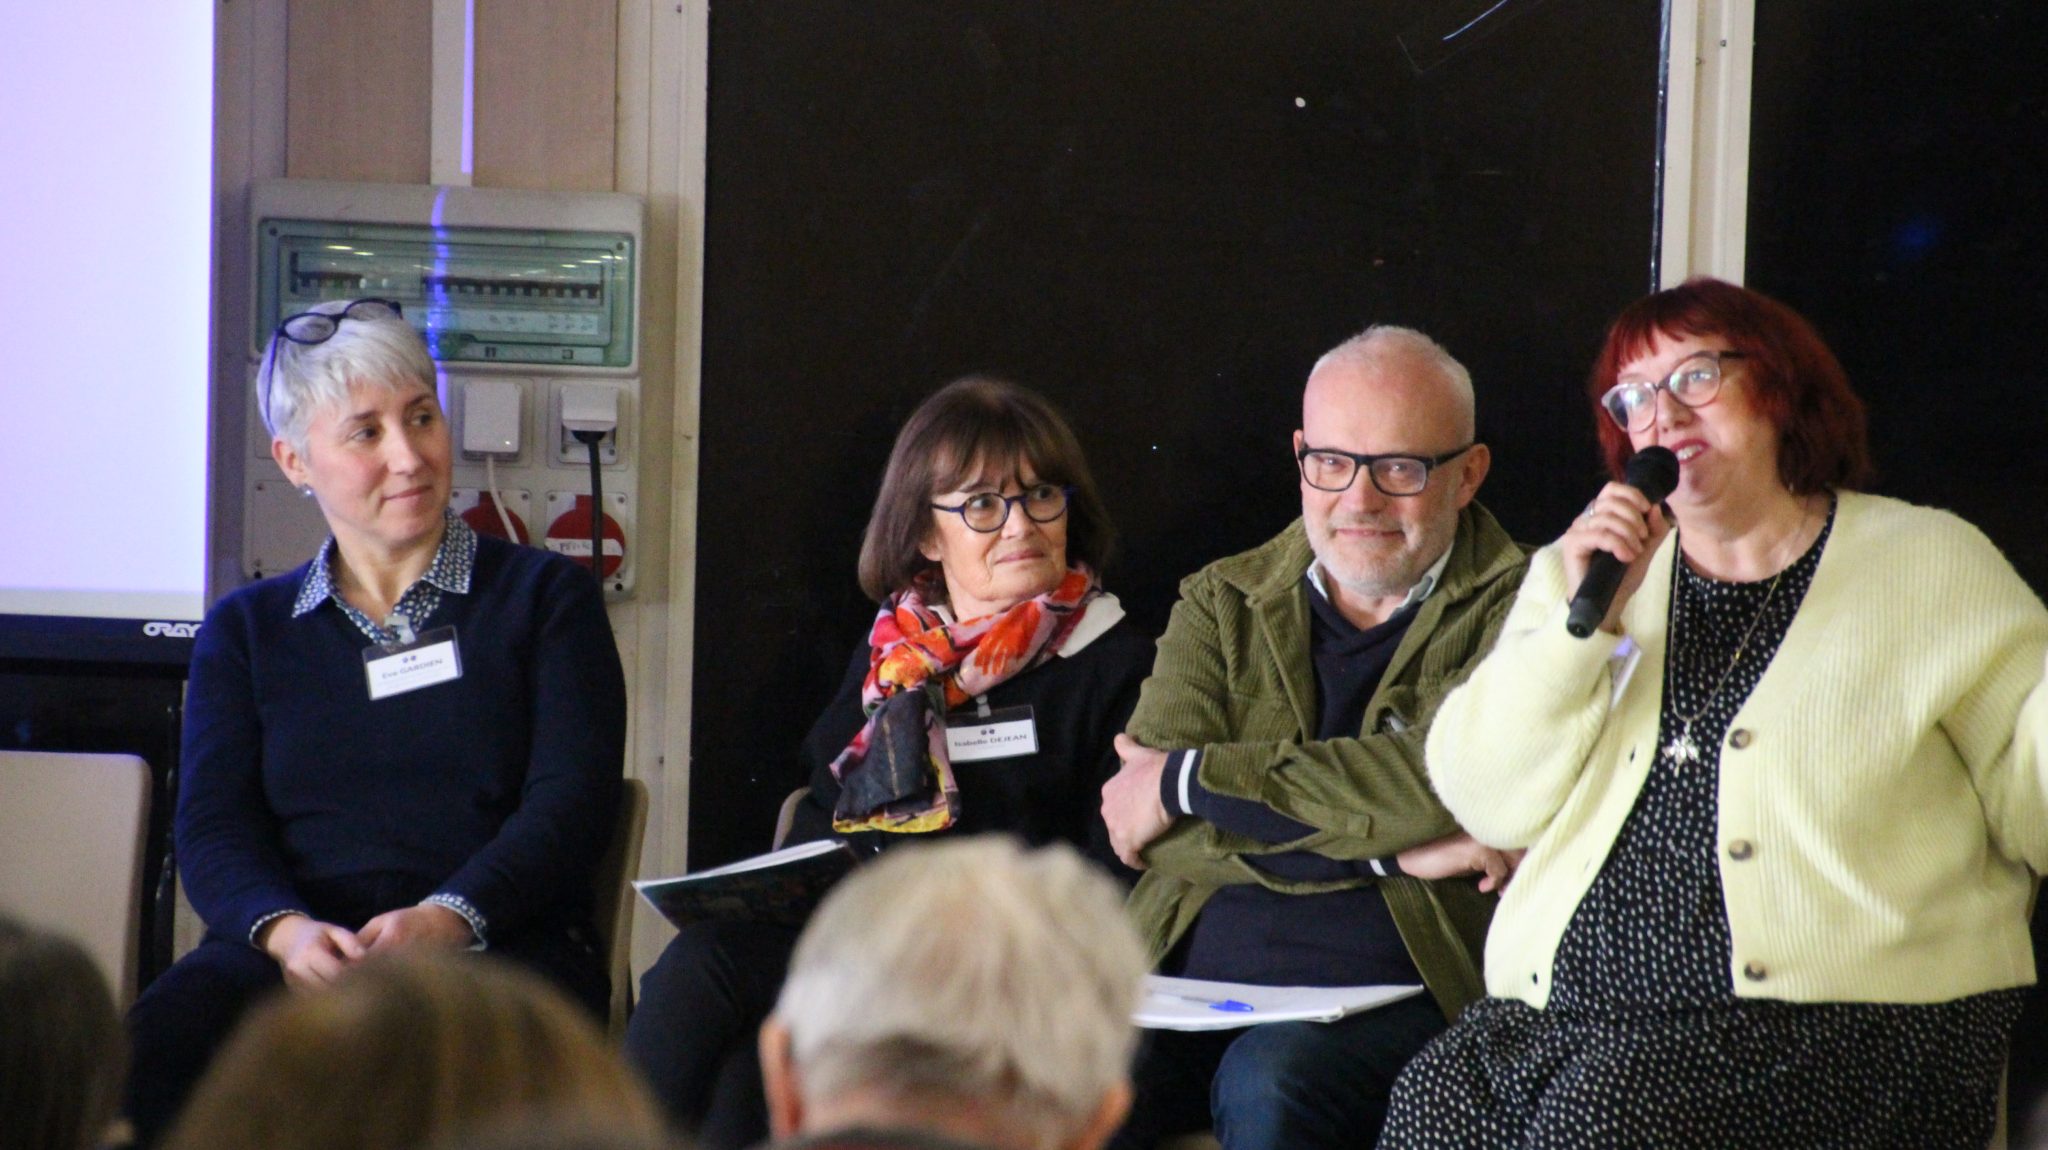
[[1644, 1042]]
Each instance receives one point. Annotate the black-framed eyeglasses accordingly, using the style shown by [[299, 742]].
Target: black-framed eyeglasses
[[316, 327], [987, 511], [1632, 403], [1327, 469]]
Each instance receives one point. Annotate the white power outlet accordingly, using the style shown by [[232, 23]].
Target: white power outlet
[[490, 417], [586, 407]]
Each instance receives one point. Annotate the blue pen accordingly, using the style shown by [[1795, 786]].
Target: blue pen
[[1230, 1004]]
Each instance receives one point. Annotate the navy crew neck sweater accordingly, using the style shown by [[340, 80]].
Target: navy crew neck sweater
[[499, 788]]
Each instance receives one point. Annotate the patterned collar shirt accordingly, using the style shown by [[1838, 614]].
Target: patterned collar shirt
[[453, 562]]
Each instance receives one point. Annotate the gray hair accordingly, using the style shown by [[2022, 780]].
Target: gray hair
[[973, 969], [1377, 345], [296, 380]]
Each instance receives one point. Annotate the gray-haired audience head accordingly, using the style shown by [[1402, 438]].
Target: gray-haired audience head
[[972, 988], [373, 347], [2031, 1128]]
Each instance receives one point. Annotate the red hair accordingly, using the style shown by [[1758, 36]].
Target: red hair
[[1794, 380]]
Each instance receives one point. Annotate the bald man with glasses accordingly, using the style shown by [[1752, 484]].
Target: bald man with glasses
[[1273, 787]]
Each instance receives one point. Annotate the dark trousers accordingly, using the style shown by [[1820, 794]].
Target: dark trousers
[[693, 1032], [178, 1023], [1279, 1086], [188, 1012]]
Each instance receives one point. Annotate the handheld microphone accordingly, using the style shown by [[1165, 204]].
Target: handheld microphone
[[1654, 472]]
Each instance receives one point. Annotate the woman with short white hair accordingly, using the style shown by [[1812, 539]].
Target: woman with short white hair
[[413, 741]]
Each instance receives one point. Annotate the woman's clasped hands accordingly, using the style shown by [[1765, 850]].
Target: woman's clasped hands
[[313, 954]]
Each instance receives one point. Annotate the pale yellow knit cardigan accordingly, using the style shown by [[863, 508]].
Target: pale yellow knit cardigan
[[1883, 794]]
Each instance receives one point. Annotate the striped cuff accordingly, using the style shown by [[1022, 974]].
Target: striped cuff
[[256, 928], [470, 914], [1177, 782]]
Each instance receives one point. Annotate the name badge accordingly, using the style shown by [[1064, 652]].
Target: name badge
[[1001, 734], [1622, 667], [425, 662]]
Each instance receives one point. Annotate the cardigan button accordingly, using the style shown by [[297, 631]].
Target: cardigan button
[[1739, 738], [1741, 849], [1754, 971]]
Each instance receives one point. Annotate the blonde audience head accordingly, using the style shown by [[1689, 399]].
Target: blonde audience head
[[972, 989], [549, 1131], [61, 1051], [408, 1050]]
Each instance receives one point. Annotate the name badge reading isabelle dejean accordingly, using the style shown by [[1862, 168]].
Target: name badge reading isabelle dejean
[[1000, 734], [427, 661]]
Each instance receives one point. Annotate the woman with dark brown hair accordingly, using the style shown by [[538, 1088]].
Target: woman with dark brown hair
[[1783, 809], [61, 1051], [983, 550]]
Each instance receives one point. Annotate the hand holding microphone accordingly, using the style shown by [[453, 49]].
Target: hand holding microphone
[[1619, 526]]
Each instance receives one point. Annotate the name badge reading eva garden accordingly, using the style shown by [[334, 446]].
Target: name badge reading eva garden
[[431, 660]]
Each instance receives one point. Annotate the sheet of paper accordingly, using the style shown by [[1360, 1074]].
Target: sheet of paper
[[782, 857], [1198, 1004]]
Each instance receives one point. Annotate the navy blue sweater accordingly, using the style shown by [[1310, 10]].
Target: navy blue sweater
[[499, 787]]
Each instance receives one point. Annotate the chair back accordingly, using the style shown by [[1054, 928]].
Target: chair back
[[72, 831], [785, 818], [612, 908]]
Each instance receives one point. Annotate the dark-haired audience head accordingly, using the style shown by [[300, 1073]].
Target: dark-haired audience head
[[973, 989], [61, 1051], [406, 1050], [976, 431], [1794, 381]]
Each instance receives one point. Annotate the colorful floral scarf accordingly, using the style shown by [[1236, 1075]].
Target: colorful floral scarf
[[895, 775]]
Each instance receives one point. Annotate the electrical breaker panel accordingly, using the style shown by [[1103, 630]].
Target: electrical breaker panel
[[529, 303]]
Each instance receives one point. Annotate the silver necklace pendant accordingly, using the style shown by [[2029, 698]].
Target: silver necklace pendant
[[1681, 750]]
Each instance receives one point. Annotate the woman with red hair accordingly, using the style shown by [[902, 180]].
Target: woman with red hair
[[1783, 810]]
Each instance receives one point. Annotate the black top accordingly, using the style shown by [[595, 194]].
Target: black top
[[1652, 932], [1079, 702]]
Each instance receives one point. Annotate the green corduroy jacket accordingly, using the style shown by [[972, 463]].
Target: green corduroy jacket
[[1234, 677]]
